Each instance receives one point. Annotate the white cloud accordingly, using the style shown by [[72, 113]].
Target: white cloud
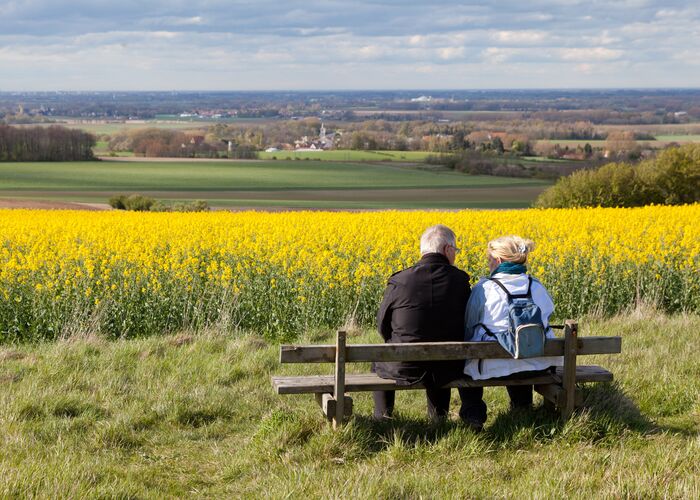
[[519, 37], [589, 54], [371, 51], [162, 34], [425, 69], [498, 55], [447, 53]]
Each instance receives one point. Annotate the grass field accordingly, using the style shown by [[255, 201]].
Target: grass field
[[678, 138], [348, 155], [659, 142], [266, 183], [195, 415], [108, 128]]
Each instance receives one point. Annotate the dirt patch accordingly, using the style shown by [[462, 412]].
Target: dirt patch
[[181, 339], [15, 377], [11, 355], [155, 159], [50, 205]]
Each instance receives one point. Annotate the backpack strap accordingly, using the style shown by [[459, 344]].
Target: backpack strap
[[527, 294], [486, 330], [498, 282]]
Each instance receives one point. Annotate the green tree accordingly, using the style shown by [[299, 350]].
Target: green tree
[[497, 145]]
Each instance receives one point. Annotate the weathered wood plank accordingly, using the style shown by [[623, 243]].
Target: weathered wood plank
[[328, 407], [339, 385], [551, 392], [569, 375], [436, 351], [371, 382], [556, 395]]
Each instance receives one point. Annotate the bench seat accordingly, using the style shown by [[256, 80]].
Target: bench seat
[[317, 384]]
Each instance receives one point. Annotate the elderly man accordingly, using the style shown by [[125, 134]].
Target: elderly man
[[424, 303]]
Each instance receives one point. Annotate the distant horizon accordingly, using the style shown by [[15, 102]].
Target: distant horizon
[[323, 90]]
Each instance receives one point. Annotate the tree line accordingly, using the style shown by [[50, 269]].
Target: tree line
[[154, 142], [672, 178], [54, 143]]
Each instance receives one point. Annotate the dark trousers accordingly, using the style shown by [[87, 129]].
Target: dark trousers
[[438, 401], [473, 408]]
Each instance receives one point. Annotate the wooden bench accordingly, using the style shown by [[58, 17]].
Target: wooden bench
[[558, 389]]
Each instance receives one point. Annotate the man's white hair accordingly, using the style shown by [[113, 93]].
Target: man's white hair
[[435, 238]]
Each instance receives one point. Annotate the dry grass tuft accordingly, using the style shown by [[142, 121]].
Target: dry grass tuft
[[11, 355], [181, 339]]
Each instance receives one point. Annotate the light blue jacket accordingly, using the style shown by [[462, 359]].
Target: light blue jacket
[[488, 304]]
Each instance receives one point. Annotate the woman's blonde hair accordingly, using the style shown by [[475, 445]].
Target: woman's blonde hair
[[511, 249]]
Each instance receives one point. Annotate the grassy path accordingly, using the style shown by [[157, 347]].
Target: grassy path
[[196, 416]]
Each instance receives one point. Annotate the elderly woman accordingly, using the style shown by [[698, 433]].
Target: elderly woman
[[487, 312]]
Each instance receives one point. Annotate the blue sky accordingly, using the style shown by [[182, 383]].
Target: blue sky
[[353, 44]]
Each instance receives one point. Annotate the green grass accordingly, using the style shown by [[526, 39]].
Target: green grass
[[573, 143], [678, 138], [349, 155], [659, 142], [188, 416], [115, 127], [218, 176], [544, 159], [295, 184]]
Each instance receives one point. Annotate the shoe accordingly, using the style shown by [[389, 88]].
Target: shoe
[[382, 418], [520, 408], [473, 425]]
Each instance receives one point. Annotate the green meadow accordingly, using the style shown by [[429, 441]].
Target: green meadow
[[274, 183], [348, 155], [659, 141], [110, 128], [194, 415]]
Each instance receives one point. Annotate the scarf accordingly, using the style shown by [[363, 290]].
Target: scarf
[[510, 268]]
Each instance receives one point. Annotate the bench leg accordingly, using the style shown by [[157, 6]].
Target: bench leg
[[555, 396], [569, 373], [339, 386], [329, 407]]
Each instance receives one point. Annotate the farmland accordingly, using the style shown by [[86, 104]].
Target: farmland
[[659, 141], [102, 127], [133, 274], [349, 155], [274, 183]]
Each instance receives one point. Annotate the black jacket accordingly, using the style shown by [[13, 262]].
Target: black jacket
[[424, 303]]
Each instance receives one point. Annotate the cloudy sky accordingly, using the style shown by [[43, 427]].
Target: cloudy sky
[[349, 44]]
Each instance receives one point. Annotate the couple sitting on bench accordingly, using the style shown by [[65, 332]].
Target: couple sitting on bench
[[432, 302]]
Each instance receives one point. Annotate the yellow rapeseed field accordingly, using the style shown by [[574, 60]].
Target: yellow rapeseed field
[[127, 274]]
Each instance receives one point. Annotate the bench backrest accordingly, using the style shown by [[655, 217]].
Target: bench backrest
[[436, 351]]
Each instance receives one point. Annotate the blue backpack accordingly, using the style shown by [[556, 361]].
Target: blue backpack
[[526, 333]]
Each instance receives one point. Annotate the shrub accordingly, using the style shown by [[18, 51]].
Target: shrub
[[118, 202], [192, 206], [160, 206], [139, 203], [135, 202], [672, 178]]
